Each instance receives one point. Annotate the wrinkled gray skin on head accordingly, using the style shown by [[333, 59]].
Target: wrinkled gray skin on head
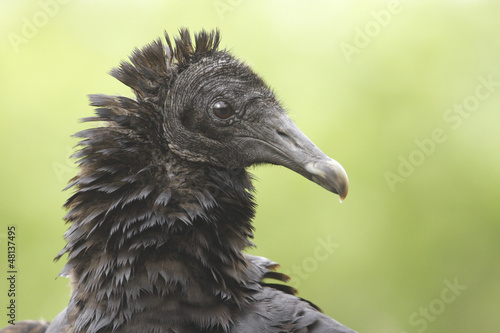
[[258, 132], [195, 131]]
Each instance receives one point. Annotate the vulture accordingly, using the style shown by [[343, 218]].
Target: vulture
[[162, 205]]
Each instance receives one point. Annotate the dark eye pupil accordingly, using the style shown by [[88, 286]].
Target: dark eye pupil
[[222, 110]]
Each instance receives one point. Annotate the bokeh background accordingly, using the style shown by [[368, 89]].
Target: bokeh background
[[405, 94]]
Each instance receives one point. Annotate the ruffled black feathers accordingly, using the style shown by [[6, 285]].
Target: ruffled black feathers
[[150, 231], [152, 70]]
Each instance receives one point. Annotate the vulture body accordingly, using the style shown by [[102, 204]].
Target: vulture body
[[162, 204]]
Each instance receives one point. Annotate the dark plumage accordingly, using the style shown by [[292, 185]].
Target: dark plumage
[[163, 204]]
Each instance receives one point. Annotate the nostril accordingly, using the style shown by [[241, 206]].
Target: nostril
[[283, 135], [286, 137]]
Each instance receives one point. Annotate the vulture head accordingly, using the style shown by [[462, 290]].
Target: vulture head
[[218, 111]]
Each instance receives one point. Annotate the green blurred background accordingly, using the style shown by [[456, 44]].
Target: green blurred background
[[365, 80]]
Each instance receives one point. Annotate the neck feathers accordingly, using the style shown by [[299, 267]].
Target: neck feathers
[[151, 230]]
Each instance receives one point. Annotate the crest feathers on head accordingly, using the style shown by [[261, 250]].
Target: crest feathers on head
[[205, 44], [156, 65]]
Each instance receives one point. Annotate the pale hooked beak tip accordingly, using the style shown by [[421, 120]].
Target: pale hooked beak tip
[[330, 175]]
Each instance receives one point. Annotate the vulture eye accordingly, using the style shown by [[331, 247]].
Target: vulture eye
[[222, 110]]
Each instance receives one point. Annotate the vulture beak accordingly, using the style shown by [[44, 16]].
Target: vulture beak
[[286, 145]]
